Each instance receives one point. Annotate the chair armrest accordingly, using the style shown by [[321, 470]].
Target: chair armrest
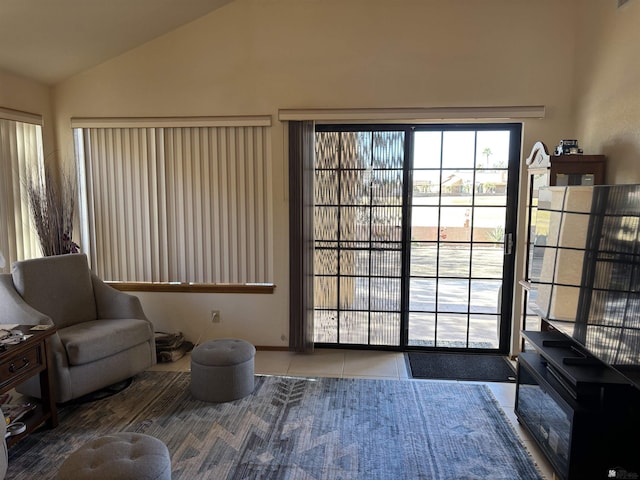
[[112, 303], [4, 457], [13, 309]]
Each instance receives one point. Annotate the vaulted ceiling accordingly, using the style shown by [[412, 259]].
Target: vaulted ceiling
[[50, 40]]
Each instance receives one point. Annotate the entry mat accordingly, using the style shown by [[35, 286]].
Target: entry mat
[[461, 366]]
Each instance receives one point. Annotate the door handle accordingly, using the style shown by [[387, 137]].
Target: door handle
[[14, 369], [508, 244]]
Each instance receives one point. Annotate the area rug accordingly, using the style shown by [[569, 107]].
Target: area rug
[[298, 428], [461, 366]]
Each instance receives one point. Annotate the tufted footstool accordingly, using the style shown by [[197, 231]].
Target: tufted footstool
[[124, 455], [222, 370]]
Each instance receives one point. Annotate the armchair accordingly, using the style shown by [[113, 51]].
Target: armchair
[[103, 335], [4, 454]]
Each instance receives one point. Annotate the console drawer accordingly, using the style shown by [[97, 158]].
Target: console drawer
[[21, 363]]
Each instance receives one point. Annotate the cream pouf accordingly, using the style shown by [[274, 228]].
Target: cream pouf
[[222, 370], [124, 455]]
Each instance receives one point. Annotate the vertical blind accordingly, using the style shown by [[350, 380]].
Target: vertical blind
[[21, 155], [301, 235], [177, 204]]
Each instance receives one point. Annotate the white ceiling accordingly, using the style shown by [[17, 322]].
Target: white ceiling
[[50, 40]]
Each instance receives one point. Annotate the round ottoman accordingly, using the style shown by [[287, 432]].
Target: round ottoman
[[222, 370], [124, 455]]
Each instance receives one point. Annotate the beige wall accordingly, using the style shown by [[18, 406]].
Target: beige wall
[[608, 86], [255, 57]]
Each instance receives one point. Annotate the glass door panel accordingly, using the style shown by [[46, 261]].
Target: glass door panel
[[458, 223], [359, 186]]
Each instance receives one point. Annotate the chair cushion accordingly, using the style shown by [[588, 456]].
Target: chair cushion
[[90, 341], [123, 455], [58, 286], [223, 351]]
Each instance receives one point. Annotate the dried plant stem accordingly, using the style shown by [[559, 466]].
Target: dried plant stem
[[52, 203]]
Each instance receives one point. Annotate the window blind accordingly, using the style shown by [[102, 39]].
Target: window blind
[[177, 204], [21, 155]]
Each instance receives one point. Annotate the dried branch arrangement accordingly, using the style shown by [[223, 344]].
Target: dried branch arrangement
[[52, 203]]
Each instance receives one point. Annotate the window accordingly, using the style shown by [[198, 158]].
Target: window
[[187, 204], [21, 154]]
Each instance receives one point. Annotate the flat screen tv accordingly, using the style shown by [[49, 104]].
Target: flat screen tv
[[586, 269]]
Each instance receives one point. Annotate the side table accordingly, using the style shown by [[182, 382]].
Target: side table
[[25, 360]]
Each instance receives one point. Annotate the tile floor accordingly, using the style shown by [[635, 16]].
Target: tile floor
[[365, 364]]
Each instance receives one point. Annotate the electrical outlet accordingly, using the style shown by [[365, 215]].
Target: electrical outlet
[[215, 316]]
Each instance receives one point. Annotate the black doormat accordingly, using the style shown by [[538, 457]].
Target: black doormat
[[461, 366]]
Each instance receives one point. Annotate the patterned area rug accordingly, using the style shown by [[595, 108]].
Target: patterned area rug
[[295, 428]]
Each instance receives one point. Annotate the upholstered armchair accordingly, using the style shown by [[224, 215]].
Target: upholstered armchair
[[4, 455], [103, 335]]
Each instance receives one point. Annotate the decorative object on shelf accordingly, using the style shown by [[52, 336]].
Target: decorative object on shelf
[[539, 157], [568, 147], [15, 428], [11, 335], [52, 204]]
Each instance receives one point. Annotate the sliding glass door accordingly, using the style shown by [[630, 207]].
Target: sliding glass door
[[359, 236], [413, 230]]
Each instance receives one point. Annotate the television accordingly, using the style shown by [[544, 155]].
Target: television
[[586, 270]]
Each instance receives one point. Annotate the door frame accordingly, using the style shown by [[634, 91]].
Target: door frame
[[511, 214], [509, 248]]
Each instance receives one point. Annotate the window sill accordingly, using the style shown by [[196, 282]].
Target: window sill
[[263, 288]]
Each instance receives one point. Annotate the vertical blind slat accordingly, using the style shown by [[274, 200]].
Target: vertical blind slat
[[252, 253], [179, 204], [206, 239], [161, 185], [241, 195], [233, 205], [260, 202], [223, 199]]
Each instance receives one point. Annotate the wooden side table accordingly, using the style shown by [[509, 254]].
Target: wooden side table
[[25, 360]]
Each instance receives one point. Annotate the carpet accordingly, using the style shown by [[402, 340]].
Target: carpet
[[461, 366], [296, 428]]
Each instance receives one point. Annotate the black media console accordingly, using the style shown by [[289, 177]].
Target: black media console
[[584, 415]]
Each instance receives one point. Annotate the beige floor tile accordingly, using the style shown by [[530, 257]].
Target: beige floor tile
[[505, 393], [322, 363], [403, 368], [272, 362], [370, 364]]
